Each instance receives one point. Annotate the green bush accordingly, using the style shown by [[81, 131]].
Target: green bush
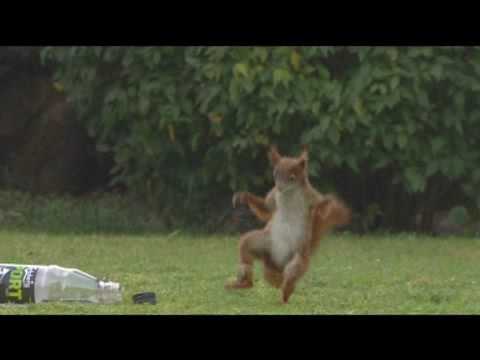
[[396, 127]]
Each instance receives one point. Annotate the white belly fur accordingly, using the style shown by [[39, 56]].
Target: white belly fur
[[288, 226]]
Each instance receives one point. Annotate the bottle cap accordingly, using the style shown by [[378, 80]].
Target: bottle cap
[[145, 298]]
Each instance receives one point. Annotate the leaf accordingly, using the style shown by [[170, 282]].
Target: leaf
[[323, 72], [248, 85], [234, 91], [382, 163], [58, 87], [281, 75], [316, 107], [267, 92], [261, 52], [326, 50], [171, 133], [239, 143], [394, 82], [324, 124], [383, 89], [411, 128], [144, 105], [132, 92], [388, 140], [458, 127], [437, 71], [432, 168], [277, 127], [350, 124], [308, 69], [373, 88], [437, 144], [170, 91], [210, 95], [422, 98], [281, 107], [213, 71], [45, 54], [261, 139], [476, 175], [215, 118], [240, 69], [402, 141], [295, 60], [157, 58], [336, 159], [415, 180], [195, 141], [334, 135], [352, 162], [459, 100], [392, 53], [358, 107], [458, 167], [458, 215]]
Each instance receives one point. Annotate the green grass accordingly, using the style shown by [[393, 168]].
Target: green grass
[[390, 274], [349, 275]]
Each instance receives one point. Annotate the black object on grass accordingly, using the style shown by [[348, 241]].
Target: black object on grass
[[145, 298]]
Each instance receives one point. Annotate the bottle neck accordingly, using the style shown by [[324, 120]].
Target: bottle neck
[[109, 292]]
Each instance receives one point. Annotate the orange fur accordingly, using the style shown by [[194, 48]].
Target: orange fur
[[324, 213]]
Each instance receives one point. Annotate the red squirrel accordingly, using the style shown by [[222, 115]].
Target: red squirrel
[[296, 215]]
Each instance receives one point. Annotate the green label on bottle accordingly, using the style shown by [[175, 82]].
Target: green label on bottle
[[17, 284]]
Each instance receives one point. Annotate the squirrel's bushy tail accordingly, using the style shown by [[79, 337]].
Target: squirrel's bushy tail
[[330, 213]]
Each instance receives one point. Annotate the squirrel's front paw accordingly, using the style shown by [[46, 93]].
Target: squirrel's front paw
[[322, 208], [238, 198]]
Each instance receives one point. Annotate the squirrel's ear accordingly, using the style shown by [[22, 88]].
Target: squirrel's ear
[[274, 155], [302, 163], [304, 154], [303, 158]]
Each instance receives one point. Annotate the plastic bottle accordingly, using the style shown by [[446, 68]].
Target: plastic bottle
[[23, 284]]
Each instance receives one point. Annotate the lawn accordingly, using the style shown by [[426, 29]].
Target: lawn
[[401, 274], [114, 237]]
